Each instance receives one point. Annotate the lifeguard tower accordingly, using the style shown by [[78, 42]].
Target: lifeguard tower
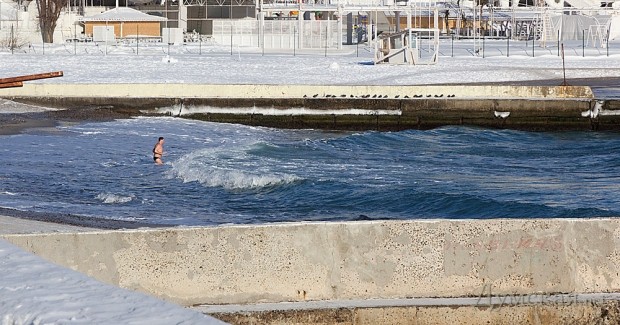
[[410, 45]]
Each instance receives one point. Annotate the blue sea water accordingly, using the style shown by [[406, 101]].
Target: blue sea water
[[226, 173]]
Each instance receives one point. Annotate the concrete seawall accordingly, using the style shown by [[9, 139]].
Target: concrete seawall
[[290, 91], [346, 260], [344, 107]]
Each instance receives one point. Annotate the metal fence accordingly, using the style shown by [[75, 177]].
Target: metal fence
[[317, 38], [277, 34]]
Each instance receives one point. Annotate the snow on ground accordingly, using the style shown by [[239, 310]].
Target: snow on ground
[[87, 63], [33, 291]]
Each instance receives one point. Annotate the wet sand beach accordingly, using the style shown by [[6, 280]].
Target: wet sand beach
[[74, 220], [15, 123], [11, 225]]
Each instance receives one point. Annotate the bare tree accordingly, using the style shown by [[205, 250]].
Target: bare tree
[[49, 11]]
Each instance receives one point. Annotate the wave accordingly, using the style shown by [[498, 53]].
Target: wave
[[110, 198], [236, 180], [409, 203], [227, 169]]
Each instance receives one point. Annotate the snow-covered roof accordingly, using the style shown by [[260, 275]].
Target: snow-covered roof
[[123, 14]]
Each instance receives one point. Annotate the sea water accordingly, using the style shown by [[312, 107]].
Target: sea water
[[226, 173]]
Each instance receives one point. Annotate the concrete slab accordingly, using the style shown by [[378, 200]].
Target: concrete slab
[[285, 262], [537, 314], [185, 90], [480, 301], [513, 309]]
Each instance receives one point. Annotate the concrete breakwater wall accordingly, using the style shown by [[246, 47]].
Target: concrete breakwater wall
[[241, 264], [345, 107], [290, 91]]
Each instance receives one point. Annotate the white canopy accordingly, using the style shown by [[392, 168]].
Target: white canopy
[[123, 14], [614, 28]]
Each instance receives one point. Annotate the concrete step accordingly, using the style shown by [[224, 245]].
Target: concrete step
[[586, 308]]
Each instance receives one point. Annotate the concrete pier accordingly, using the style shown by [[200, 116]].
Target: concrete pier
[[343, 107], [232, 91], [323, 261]]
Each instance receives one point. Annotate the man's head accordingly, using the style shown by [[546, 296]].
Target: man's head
[[161, 139]]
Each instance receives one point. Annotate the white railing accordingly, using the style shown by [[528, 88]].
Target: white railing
[[236, 32], [277, 34]]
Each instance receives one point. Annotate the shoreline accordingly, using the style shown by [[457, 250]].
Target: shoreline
[[76, 221], [17, 123], [21, 226]]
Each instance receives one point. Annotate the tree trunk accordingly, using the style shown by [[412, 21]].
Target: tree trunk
[[49, 11], [47, 32]]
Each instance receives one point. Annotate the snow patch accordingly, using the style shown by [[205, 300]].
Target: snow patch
[[34, 291]]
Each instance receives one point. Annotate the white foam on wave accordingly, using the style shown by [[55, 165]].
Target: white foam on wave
[[7, 193], [111, 198], [235, 179], [90, 132], [210, 170], [271, 111]]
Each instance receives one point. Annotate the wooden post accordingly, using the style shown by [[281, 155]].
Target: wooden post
[[31, 77], [11, 84]]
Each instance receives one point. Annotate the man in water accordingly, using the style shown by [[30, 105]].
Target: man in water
[[158, 151]]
